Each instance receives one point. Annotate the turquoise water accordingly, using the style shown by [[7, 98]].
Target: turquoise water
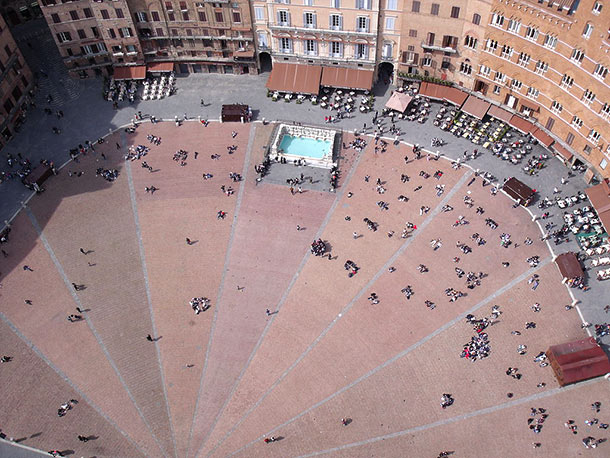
[[307, 147]]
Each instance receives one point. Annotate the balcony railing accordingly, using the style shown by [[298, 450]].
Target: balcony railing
[[433, 47]]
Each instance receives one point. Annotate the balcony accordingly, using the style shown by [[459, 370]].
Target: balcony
[[432, 47], [308, 28]]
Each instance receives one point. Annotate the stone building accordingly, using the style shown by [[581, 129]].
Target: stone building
[[15, 83], [94, 36]]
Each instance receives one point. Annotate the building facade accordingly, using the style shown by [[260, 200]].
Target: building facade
[[15, 83], [93, 36]]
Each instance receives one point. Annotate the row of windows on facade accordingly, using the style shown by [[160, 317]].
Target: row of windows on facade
[[391, 5], [16, 93], [335, 21], [142, 16], [335, 48]]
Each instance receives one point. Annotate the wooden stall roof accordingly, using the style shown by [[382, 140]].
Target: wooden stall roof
[[475, 107], [130, 72], [302, 79], [347, 78], [543, 137], [499, 113], [39, 175], [569, 265], [521, 124], [578, 360], [517, 190]]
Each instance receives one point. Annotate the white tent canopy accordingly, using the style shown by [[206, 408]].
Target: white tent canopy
[[399, 101]]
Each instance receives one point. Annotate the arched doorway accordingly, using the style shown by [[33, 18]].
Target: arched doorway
[[265, 62], [385, 73]]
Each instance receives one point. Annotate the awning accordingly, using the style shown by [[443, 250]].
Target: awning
[[518, 191], [453, 95], [569, 265], [599, 195], [399, 101], [521, 124], [563, 152], [475, 107], [499, 113], [161, 67], [347, 78], [131, 72], [579, 360], [530, 105], [244, 54], [543, 137], [431, 90], [297, 78]]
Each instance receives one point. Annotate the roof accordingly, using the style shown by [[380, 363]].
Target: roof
[[543, 137], [499, 113], [475, 107], [517, 190], [521, 124], [563, 152], [453, 95], [347, 78], [431, 90], [39, 174], [399, 101], [530, 105], [599, 195], [578, 360], [569, 265], [161, 67], [295, 78], [130, 72]]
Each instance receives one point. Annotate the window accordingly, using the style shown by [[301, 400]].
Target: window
[[169, 6], [336, 49], [497, 19], [524, 59], [485, 70], [74, 15], [415, 6], [259, 13], [470, 42], [335, 3], [594, 136], [220, 18], [476, 19], [362, 24], [491, 45], [87, 49], [335, 21], [155, 16], [159, 32], [285, 45], [426, 61], [95, 32], [87, 12], [588, 97], [603, 163], [111, 33], [125, 32], [183, 6], [185, 15], [500, 77], [541, 67], [516, 85], [497, 90], [577, 56], [390, 22], [514, 26], [171, 16], [391, 5], [587, 149], [570, 138], [434, 9], [605, 111], [141, 17], [202, 16], [362, 51], [105, 14], [588, 30], [556, 107], [119, 13], [576, 122], [455, 11], [507, 52], [465, 68], [236, 17], [600, 71], [131, 49], [597, 8], [567, 81], [550, 42], [55, 18], [363, 4], [430, 39], [117, 49], [62, 37], [81, 34], [308, 2], [532, 92], [531, 33], [310, 47], [386, 51]]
